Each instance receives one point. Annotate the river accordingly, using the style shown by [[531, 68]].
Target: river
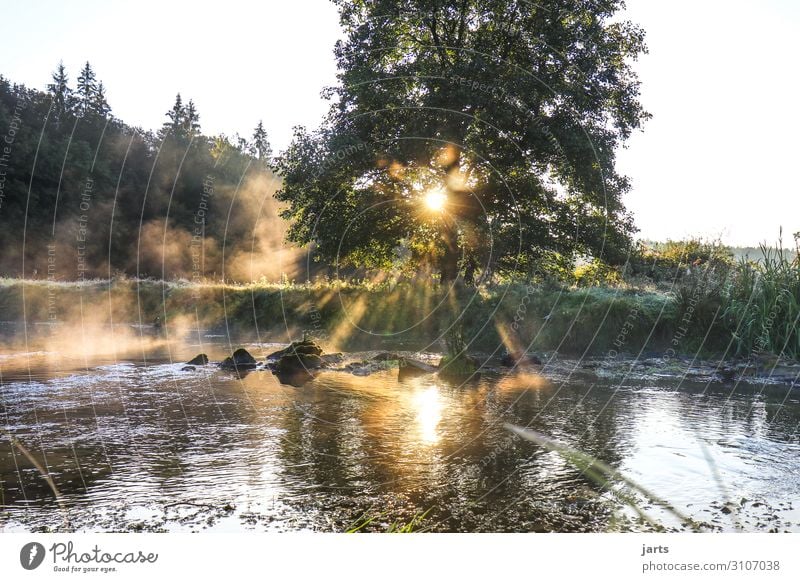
[[135, 443]]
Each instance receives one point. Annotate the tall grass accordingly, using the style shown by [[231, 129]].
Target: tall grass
[[762, 305]]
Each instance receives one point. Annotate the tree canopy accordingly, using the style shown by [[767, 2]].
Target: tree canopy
[[507, 112]]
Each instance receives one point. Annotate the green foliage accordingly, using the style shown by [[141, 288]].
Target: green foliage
[[596, 273], [514, 113], [414, 525], [762, 305], [672, 260]]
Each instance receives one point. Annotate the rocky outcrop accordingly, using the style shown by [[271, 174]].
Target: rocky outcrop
[[303, 347], [336, 358], [198, 360], [297, 363], [240, 360], [365, 367]]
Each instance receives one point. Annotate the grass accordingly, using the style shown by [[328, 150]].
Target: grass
[[351, 315], [412, 526], [607, 477], [712, 305], [764, 304]]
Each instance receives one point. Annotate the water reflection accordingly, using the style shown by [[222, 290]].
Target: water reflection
[[146, 443], [428, 406]]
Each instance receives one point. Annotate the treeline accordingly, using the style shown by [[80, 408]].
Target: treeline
[[83, 194]]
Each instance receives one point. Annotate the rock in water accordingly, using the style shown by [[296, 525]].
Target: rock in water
[[298, 362], [303, 347], [332, 358], [198, 360], [296, 369], [241, 360], [242, 357], [463, 367], [411, 368], [188, 369]]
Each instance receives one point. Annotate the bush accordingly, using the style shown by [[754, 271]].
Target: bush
[[674, 260]]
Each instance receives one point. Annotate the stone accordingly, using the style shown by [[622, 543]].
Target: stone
[[412, 368], [298, 362], [198, 360], [303, 347], [240, 360]]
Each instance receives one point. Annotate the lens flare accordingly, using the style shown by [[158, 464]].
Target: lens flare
[[435, 200]]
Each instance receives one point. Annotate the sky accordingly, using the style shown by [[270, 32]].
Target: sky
[[719, 158]]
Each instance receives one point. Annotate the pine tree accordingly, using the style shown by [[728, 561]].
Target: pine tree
[[99, 104], [260, 147], [175, 124], [62, 94], [87, 87], [191, 119]]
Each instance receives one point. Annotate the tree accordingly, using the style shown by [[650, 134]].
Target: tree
[[507, 113], [191, 120], [175, 124], [183, 121], [62, 94], [86, 89], [260, 147], [99, 104]]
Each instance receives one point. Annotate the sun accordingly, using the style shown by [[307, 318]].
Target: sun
[[435, 200]]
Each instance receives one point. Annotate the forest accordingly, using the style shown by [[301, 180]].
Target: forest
[[85, 195]]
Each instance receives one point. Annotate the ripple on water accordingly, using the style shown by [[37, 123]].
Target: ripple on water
[[135, 446]]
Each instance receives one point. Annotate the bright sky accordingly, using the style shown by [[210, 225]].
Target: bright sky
[[719, 157]]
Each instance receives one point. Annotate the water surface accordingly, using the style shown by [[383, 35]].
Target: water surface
[[135, 443]]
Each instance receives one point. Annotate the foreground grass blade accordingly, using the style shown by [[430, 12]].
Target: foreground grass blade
[[602, 474]]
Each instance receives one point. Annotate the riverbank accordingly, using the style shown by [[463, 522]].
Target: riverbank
[[610, 331], [344, 316]]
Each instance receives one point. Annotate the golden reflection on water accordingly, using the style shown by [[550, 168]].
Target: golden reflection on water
[[522, 381], [427, 405]]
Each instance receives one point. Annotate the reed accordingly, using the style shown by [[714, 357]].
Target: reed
[[762, 305]]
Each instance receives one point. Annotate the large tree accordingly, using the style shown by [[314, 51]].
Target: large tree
[[62, 94], [259, 147], [503, 115], [87, 89]]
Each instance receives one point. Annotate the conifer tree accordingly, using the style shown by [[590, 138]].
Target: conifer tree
[[260, 147], [86, 89], [62, 94]]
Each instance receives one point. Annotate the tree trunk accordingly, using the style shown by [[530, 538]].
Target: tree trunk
[[448, 264]]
